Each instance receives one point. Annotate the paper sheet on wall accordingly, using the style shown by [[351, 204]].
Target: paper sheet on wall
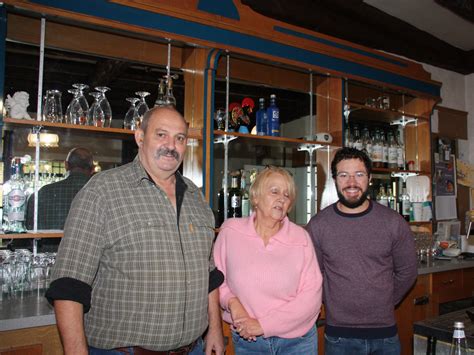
[[446, 207]]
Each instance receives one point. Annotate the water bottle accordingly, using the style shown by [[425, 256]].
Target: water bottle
[[261, 117], [459, 343], [273, 114]]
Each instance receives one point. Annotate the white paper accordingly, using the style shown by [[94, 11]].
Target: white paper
[[445, 207]]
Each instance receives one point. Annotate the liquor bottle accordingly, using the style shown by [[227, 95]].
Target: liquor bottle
[[245, 195], [357, 141], [382, 196], [160, 99], [377, 150], [261, 118], [459, 343], [367, 142], [384, 148], [400, 152], [391, 201], [235, 197], [273, 116], [392, 151], [404, 203], [14, 206]]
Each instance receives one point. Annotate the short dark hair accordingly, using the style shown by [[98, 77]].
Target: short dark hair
[[80, 158], [350, 153]]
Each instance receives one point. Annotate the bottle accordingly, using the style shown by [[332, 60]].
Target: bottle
[[404, 203], [377, 150], [391, 201], [273, 116], [459, 343], [384, 149], [245, 195], [261, 118], [382, 196], [235, 198], [357, 141], [160, 99], [14, 206], [400, 152], [367, 142], [392, 151]]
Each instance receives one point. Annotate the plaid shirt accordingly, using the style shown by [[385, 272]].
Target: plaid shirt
[[149, 273], [54, 201]]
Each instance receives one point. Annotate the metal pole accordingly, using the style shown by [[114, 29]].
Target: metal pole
[[226, 142]]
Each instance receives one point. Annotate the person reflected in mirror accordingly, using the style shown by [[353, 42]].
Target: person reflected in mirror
[[272, 293], [134, 272], [367, 256], [54, 200]]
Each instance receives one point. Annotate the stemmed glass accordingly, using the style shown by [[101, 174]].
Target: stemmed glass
[[81, 106], [142, 106], [105, 106], [96, 116], [131, 117]]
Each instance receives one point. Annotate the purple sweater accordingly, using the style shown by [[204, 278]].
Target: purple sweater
[[368, 261]]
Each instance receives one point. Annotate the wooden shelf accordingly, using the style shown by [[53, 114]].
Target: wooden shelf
[[193, 132], [32, 235], [271, 140], [366, 113]]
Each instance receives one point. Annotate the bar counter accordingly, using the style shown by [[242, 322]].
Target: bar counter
[[33, 311]]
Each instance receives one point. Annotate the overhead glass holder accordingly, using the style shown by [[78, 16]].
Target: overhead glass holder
[[403, 175], [310, 148], [225, 139], [404, 120]]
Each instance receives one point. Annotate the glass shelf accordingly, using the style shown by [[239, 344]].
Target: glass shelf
[[193, 132], [367, 113]]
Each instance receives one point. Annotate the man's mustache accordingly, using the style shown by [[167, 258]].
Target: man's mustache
[[162, 152]]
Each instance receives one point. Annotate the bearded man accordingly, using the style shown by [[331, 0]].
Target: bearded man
[[366, 253]]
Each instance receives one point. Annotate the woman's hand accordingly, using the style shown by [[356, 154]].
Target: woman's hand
[[248, 328]]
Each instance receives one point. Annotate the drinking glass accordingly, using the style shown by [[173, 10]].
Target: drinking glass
[[79, 105], [52, 109], [105, 106], [96, 116], [131, 117], [142, 106]]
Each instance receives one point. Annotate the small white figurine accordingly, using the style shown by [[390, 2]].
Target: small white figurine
[[18, 104]]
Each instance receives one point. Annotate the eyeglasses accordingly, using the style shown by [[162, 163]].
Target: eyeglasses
[[358, 176]]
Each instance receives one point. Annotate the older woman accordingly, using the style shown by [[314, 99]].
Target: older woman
[[272, 290]]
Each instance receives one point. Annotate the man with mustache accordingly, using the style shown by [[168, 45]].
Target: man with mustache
[[134, 272], [366, 253]]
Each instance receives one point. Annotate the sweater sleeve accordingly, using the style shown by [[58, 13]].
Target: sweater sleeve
[[225, 294], [306, 304], [311, 228], [404, 261]]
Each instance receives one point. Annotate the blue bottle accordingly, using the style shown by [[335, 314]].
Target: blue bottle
[[261, 117], [273, 113]]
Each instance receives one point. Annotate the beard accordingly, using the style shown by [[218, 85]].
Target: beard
[[353, 203]]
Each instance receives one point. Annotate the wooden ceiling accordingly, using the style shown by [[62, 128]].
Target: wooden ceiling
[[358, 22]]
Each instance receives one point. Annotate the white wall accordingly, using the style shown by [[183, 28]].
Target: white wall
[[457, 93]]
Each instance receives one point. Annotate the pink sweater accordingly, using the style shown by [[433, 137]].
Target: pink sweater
[[278, 284]]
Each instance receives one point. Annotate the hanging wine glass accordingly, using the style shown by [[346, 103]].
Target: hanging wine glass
[[142, 106], [105, 106], [82, 119], [131, 117], [96, 116], [169, 97]]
